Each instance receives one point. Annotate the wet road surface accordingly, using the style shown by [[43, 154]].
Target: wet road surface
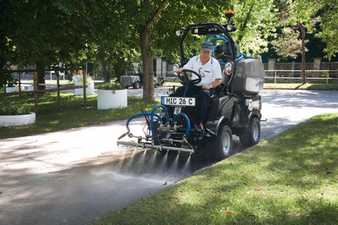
[[49, 186]]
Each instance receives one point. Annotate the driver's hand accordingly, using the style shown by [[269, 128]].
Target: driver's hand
[[179, 71], [205, 87]]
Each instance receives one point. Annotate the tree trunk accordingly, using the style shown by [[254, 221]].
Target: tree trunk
[[148, 71], [40, 69], [147, 57], [106, 75]]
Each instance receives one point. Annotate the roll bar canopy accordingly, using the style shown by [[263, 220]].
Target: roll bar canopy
[[203, 29]]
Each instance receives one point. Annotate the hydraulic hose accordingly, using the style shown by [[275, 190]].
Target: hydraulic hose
[[150, 118], [187, 122]]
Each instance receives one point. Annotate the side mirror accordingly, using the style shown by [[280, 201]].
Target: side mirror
[[230, 27], [179, 33]]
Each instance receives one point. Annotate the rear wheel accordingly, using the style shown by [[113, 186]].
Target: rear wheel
[[222, 144], [252, 134]]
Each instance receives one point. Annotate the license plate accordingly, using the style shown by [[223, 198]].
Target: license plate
[[178, 101]]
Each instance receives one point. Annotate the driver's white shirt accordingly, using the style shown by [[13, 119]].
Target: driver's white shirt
[[209, 72]]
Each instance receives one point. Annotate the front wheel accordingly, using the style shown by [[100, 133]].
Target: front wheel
[[251, 135], [222, 144]]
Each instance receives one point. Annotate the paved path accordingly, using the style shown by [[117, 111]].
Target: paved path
[[55, 178]]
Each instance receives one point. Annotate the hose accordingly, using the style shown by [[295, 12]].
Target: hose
[[187, 122], [150, 118]]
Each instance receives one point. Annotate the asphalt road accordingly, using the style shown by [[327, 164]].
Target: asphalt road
[[74, 176]]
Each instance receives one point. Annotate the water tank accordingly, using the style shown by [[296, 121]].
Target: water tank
[[249, 77]]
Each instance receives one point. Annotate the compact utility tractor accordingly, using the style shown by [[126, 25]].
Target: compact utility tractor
[[234, 109]]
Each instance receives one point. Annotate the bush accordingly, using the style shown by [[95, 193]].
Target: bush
[[12, 109], [109, 86]]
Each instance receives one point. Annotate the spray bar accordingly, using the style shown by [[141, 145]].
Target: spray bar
[[158, 147]]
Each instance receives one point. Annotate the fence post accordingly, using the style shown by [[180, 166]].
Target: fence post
[[19, 83], [58, 86], [84, 75], [35, 87], [275, 77]]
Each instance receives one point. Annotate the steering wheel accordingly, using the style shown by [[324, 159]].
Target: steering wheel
[[186, 79]]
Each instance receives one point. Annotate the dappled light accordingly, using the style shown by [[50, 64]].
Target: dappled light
[[122, 175], [169, 112], [290, 179], [51, 118]]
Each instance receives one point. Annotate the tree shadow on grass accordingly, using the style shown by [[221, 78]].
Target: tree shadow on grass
[[306, 156], [269, 184]]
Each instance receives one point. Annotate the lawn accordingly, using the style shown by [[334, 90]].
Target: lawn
[[300, 86], [70, 115], [290, 179]]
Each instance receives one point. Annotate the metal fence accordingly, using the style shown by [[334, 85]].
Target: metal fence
[[40, 88], [297, 66], [322, 76], [324, 72]]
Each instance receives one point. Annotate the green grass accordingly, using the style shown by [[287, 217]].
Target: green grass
[[70, 115], [300, 86], [171, 84], [291, 179]]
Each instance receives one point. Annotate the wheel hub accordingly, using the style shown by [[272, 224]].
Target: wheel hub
[[255, 131], [226, 143]]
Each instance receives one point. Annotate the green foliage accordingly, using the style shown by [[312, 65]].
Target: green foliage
[[301, 12], [5, 78], [319, 17], [112, 37], [109, 86], [256, 22], [46, 31], [180, 14], [10, 108], [288, 44], [109, 33], [329, 18], [6, 46]]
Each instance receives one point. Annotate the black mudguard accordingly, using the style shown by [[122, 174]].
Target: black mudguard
[[224, 114]]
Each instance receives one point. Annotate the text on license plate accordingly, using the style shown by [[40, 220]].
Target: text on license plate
[[178, 101]]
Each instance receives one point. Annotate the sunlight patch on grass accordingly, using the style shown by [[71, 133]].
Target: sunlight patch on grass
[[70, 114]]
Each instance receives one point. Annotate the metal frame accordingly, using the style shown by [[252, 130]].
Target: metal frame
[[213, 28], [275, 76]]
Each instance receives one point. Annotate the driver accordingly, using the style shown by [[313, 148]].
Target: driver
[[211, 77]]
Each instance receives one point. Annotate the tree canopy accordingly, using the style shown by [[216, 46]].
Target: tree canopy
[[113, 33]]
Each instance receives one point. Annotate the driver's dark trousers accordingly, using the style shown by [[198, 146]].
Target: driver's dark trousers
[[198, 114]]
